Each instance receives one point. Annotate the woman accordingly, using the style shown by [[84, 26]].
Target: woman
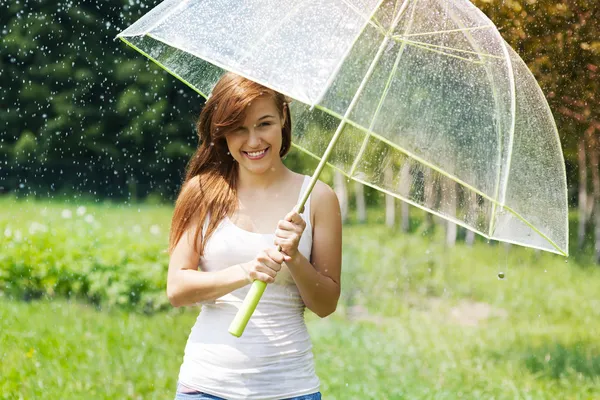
[[224, 233]]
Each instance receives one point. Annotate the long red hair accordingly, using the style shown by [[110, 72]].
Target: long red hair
[[209, 187]]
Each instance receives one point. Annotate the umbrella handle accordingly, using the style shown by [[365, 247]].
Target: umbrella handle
[[237, 326]]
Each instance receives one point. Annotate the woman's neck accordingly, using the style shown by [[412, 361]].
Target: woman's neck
[[261, 182]]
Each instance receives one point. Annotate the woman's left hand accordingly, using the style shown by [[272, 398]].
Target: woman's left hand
[[288, 234]]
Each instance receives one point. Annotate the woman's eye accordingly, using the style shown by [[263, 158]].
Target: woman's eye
[[265, 124]]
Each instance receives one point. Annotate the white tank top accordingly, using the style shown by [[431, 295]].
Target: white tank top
[[273, 358]]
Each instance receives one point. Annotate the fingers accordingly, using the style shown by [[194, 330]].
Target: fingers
[[295, 218], [275, 256], [266, 265], [285, 227]]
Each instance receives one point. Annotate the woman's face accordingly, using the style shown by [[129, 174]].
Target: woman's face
[[256, 144]]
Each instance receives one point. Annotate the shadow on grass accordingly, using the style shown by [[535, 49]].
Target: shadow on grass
[[556, 361]]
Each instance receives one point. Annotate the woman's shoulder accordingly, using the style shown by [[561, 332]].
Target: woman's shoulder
[[322, 191], [324, 200]]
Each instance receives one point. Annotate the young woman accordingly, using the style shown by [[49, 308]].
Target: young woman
[[225, 230]]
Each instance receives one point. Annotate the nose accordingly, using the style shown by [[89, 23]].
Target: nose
[[254, 139]]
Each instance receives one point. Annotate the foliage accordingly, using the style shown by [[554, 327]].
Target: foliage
[[109, 255], [81, 112], [558, 40]]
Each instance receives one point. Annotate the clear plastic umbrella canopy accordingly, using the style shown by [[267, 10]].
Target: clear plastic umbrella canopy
[[424, 99]]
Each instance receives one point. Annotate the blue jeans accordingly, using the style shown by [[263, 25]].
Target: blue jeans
[[204, 396]]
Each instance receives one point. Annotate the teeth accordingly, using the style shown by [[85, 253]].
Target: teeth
[[256, 153]]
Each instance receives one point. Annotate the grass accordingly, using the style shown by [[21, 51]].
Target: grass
[[416, 320]]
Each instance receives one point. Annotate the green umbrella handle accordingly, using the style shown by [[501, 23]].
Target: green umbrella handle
[[247, 309], [237, 326]]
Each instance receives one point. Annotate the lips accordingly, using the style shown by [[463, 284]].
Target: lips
[[255, 155]]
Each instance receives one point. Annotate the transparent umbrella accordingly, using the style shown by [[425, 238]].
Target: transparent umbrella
[[425, 89]]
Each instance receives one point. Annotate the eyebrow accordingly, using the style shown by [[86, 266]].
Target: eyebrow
[[265, 116]]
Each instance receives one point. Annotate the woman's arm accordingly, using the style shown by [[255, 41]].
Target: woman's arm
[[186, 285], [319, 281]]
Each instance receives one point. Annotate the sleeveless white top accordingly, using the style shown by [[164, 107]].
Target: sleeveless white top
[[273, 358]]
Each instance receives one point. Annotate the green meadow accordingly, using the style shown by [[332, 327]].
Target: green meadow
[[83, 312]]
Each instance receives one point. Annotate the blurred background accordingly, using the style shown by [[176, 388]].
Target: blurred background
[[94, 140]]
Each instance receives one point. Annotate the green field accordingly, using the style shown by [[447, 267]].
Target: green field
[[82, 313]]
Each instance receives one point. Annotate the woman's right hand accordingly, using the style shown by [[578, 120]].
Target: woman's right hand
[[265, 265]]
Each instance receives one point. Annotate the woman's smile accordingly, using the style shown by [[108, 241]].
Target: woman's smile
[[256, 155]]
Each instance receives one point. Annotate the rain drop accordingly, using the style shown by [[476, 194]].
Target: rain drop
[[500, 275]]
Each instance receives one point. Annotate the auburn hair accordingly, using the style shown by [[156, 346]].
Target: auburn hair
[[209, 186]]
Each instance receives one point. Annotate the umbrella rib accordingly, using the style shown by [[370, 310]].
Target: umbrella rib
[[428, 48], [344, 119], [512, 109], [225, 68], [450, 30], [370, 20], [133, 46], [363, 147], [408, 153], [343, 59], [424, 44], [558, 250]]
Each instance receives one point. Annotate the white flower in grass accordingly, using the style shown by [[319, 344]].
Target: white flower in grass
[[137, 229], [89, 218], [36, 227], [81, 210], [8, 232], [155, 230], [66, 214], [18, 236]]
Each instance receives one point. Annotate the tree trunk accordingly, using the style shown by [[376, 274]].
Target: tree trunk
[[449, 194], [430, 194], [390, 203], [593, 153], [341, 190], [472, 208], [405, 184], [361, 206], [583, 195]]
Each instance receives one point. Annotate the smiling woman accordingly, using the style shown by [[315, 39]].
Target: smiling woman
[[260, 133], [225, 226]]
